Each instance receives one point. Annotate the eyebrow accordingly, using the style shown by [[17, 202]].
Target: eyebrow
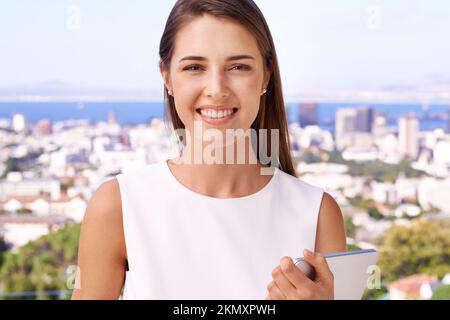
[[232, 58]]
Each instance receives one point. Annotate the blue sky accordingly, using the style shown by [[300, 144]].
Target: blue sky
[[336, 45]]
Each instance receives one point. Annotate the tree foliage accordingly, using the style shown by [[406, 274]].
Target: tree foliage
[[41, 265], [422, 247]]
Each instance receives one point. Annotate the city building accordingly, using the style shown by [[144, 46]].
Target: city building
[[43, 127], [18, 122], [18, 230], [354, 127], [408, 129], [345, 127], [308, 114], [417, 286], [16, 185], [384, 192], [364, 119], [42, 205], [433, 192]]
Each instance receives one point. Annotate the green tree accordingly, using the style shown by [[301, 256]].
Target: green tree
[[3, 248], [352, 247], [375, 213], [310, 157], [41, 265], [422, 247], [350, 228], [336, 157], [361, 203], [23, 211]]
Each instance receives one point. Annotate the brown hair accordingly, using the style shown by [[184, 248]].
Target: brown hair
[[272, 114]]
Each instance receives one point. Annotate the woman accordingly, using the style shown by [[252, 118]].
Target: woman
[[197, 227]]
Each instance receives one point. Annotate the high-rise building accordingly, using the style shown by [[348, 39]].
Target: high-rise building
[[380, 125], [308, 114], [113, 128], [364, 119], [408, 130], [18, 122], [345, 127]]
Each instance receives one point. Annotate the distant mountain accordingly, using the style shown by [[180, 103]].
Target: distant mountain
[[60, 90], [434, 89]]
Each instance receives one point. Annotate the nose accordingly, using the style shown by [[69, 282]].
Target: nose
[[216, 86]]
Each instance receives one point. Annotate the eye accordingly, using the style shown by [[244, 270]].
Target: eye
[[243, 67], [190, 68], [240, 67]]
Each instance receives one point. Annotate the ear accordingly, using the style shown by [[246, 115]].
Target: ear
[[165, 75]]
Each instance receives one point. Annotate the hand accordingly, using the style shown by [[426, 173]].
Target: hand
[[290, 283]]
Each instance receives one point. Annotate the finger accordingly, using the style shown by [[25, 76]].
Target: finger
[[275, 292], [320, 264], [286, 287], [294, 274]]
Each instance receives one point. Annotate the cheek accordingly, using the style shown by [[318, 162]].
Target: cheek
[[249, 98], [187, 93]]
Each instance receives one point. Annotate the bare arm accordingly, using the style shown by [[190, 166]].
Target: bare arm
[[292, 284], [102, 252], [330, 237]]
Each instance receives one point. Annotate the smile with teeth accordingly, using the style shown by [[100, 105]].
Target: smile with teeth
[[214, 114]]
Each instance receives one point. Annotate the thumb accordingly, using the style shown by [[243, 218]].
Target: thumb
[[319, 262]]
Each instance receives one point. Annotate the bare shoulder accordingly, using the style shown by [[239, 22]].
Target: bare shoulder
[[107, 199], [101, 251], [330, 235], [104, 209]]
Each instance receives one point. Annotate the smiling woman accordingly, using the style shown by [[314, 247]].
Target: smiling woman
[[186, 228], [234, 60]]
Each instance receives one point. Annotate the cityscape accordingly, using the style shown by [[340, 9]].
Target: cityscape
[[383, 176]]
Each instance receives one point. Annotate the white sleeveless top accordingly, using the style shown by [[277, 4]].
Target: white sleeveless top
[[185, 245]]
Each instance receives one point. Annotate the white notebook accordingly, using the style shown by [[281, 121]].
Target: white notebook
[[351, 270]]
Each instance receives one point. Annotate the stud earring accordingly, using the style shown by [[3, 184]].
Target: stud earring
[[170, 92], [264, 91]]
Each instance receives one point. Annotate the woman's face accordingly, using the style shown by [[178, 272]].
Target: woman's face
[[207, 84]]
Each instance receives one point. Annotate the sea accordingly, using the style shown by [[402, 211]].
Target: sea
[[431, 117]]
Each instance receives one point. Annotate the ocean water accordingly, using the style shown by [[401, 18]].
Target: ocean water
[[143, 112], [327, 112], [125, 112]]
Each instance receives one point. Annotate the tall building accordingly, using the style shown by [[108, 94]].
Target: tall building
[[408, 130], [380, 125], [345, 127], [113, 128], [18, 122], [308, 114], [364, 119]]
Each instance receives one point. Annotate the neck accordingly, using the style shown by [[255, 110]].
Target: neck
[[233, 177]]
